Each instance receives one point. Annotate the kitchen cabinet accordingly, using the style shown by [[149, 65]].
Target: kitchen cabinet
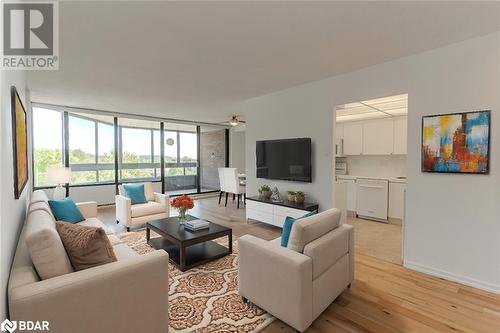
[[372, 137], [339, 140], [353, 139], [396, 200], [378, 137], [400, 135], [351, 194]]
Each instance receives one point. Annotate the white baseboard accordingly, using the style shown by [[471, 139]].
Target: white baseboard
[[487, 286]]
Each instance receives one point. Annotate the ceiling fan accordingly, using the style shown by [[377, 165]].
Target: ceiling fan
[[234, 121]]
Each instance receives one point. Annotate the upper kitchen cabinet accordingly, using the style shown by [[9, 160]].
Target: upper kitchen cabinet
[[400, 134], [353, 139], [378, 137]]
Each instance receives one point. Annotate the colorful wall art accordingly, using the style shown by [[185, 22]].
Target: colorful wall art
[[456, 143], [19, 143]]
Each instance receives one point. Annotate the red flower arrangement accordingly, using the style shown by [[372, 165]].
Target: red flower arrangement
[[182, 204]]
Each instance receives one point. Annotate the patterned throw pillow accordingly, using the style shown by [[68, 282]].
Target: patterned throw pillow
[[86, 246]]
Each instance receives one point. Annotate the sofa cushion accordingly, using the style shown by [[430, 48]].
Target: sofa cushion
[[87, 247], [66, 210], [45, 246], [149, 208], [124, 252], [40, 205], [149, 191], [310, 228], [287, 227], [39, 196], [95, 222], [114, 240]]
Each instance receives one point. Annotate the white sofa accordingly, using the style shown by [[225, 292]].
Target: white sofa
[[126, 296], [157, 207], [297, 283]]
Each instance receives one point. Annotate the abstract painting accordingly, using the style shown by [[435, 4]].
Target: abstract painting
[[19, 143], [456, 143]]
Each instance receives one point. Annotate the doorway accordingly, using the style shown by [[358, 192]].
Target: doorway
[[370, 172]]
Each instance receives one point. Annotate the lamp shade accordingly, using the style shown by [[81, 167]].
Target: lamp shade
[[59, 175]]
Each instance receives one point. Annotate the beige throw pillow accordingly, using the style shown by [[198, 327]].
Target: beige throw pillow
[[86, 246]]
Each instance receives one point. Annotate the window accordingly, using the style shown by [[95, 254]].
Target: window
[[106, 151], [82, 150], [47, 143], [91, 150], [137, 161], [181, 155]]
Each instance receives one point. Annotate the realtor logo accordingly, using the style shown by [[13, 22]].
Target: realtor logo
[[8, 326], [24, 326], [30, 35]]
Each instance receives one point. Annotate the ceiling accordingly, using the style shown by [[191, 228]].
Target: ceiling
[[385, 107], [191, 60]]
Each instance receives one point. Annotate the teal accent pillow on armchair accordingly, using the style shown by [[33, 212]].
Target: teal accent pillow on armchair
[[66, 210], [287, 227], [136, 193]]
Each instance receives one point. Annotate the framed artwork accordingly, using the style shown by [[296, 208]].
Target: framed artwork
[[456, 143], [19, 143]]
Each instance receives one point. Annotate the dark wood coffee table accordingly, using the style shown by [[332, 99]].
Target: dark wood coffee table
[[187, 249]]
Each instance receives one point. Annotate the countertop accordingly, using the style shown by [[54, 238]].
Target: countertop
[[389, 179]]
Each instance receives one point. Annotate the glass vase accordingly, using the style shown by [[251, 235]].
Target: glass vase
[[182, 215]]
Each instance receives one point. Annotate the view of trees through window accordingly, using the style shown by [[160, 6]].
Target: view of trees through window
[[91, 147]]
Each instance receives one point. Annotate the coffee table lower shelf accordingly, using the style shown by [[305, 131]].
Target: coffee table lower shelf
[[197, 254]]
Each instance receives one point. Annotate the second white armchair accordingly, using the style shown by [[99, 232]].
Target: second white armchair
[[157, 207]]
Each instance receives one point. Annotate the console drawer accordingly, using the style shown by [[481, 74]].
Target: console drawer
[[285, 211], [262, 207], [259, 216]]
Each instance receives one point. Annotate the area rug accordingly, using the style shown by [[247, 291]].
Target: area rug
[[205, 299]]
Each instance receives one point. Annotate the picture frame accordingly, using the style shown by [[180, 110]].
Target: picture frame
[[456, 143], [19, 143]]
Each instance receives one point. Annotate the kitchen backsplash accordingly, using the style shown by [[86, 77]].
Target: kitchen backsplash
[[377, 166]]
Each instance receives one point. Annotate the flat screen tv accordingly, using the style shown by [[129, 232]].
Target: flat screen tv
[[287, 159]]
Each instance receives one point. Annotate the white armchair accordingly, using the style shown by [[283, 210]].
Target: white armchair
[[157, 207], [297, 283]]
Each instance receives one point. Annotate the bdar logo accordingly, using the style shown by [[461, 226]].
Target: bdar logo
[[8, 326]]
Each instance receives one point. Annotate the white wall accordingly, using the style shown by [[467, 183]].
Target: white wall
[[237, 150], [376, 165], [12, 211], [452, 221]]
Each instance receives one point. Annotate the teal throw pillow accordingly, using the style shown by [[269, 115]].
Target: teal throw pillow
[[66, 210], [136, 193], [287, 227]]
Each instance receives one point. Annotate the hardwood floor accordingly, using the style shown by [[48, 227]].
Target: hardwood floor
[[384, 297]]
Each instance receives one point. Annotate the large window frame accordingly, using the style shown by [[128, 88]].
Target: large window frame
[[118, 165]]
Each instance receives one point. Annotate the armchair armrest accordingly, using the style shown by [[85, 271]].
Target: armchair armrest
[[277, 279], [107, 298], [88, 209], [123, 209], [163, 199]]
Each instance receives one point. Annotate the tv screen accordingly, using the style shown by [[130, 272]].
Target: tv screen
[[288, 159]]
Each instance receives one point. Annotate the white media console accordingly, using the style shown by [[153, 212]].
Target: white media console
[[274, 213]]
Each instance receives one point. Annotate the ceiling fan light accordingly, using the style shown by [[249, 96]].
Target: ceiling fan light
[[234, 121]]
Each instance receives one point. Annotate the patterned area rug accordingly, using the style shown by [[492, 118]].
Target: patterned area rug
[[205, 298]]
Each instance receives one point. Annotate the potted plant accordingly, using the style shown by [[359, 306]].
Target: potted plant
[[265, 191], [299, 197], [291, 195], [182, 204]]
